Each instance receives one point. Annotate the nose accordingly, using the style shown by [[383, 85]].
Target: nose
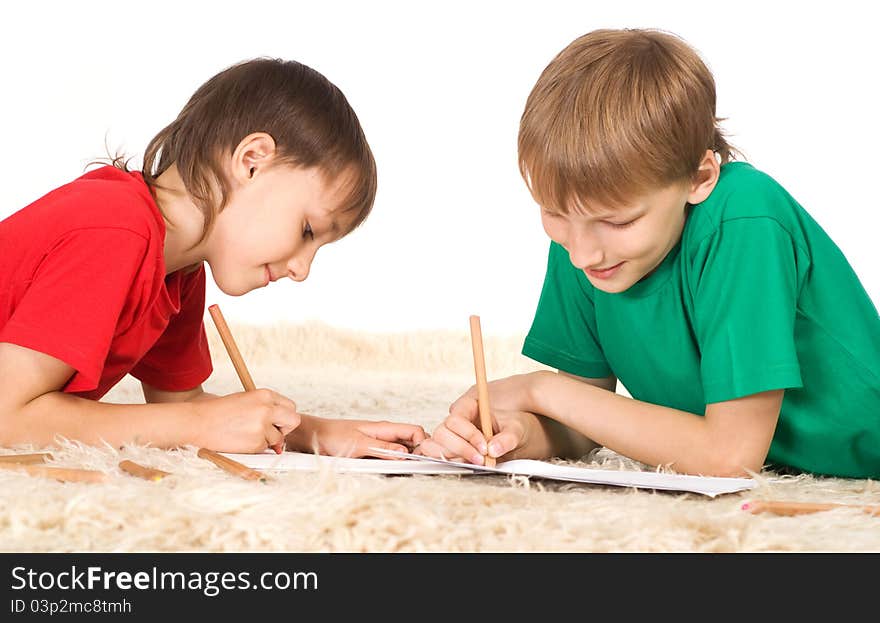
[[584, 250], [299, 265]]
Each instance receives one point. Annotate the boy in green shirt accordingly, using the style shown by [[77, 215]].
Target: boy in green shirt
[[733, 320]]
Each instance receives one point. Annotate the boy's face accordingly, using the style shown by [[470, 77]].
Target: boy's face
[[272, 227], [618, 247]]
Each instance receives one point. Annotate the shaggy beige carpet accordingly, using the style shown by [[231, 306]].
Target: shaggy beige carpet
[[409, 378]]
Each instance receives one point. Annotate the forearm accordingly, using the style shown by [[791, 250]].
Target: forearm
[[649, 433], [561, 440], [57, 414], [202, 396]]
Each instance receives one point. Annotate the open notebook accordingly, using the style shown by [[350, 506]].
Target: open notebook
[[415, 464]]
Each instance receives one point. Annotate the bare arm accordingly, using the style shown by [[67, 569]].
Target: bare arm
[[567, 442], [33, 410], [732, 438], [153, 395]]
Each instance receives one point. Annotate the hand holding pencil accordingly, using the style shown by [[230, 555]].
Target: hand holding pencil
[[466, 434], [245, 421]]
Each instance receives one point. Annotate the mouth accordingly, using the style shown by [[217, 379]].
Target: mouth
[[603, 273], [267, 276]]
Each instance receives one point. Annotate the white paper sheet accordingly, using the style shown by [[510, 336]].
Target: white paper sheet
[[706, 485], [298, 461], [417, 464]]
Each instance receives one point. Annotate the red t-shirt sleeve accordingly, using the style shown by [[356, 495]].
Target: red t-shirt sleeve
[[72, 307], [180, 359]]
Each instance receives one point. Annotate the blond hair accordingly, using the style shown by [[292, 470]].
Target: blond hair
[[615, 114]]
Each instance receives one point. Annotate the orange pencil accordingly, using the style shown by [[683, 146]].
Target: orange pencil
[[801, 508], [482, 384], [28, 459], [141, 471], [63, 474], [237, 360], [231, 466]]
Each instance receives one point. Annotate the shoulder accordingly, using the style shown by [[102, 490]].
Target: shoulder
[[743, 193], [105, 198], [111, 197]]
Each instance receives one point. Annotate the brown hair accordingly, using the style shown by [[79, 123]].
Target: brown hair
[[308, 117], [615, 114]]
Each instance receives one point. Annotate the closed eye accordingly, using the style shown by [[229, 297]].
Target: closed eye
[[622, 225]]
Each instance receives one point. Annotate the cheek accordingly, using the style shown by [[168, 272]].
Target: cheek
[[632, 245], [554, 229]]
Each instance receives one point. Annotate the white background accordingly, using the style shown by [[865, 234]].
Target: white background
[[439, 88]]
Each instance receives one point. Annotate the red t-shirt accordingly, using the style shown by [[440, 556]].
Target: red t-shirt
[[82, 278]]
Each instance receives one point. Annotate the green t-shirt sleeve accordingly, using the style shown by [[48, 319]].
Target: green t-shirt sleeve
[[563, 333], [745, 284]]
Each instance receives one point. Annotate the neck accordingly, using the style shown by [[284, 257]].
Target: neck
[[184, 222]]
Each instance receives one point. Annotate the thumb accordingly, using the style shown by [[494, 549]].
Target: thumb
[[286, 421], [502, 443]]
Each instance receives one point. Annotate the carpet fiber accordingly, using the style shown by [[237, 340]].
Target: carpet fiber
[[409, 378]]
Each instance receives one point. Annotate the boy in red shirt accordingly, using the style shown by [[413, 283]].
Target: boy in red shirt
[[105, 276]]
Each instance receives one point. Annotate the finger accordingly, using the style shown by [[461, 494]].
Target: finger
[[368, 449], [283, 401], [502, 443], [274, 439], [466, 407], [457, 446], [285, 419], [468, 431], [431, 448], [409, 435]]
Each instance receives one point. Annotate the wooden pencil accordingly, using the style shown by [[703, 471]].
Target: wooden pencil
[[232, 348], [142, 471], [63, 474], [802, 508], [237, 360], [482, 384], [27, 459], [232, 466]]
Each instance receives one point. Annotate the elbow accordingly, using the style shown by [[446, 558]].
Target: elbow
[[10, 423], [734, 466]]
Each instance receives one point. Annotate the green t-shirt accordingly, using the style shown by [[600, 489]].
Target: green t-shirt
[[754, 297]]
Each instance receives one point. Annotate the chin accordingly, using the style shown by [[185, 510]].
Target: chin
[[611, 288], [232, 289]]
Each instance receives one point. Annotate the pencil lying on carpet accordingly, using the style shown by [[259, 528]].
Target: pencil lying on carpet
[[28, 459], [142, 471], [482, 385], [231, 466], [64, 474], [237, 360], [802, 508]]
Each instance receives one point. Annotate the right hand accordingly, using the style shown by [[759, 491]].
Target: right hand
[[512, 393], [247, 422], [459, 437]]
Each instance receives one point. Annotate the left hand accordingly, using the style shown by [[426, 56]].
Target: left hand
[[354, 438]]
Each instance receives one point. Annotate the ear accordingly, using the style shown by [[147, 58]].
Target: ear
[[704, 179], [254, 152]]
